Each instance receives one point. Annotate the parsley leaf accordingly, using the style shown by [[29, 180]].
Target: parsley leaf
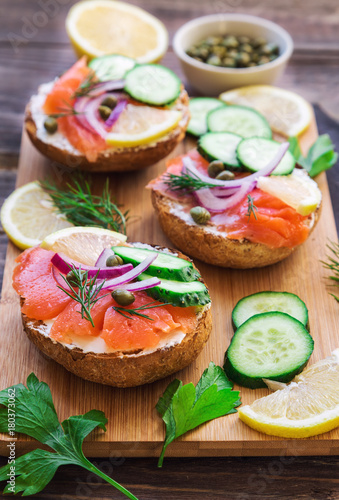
[[36, 417], [184, 407], [320, 157]]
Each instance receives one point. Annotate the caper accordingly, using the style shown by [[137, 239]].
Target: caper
[[243, 59], [263, 60], [51, 125], [214, 60], [268, 49], [200, 215], [110, 102], [232, 53], [257, 42], [104, 112], [230, 42], [72, 280], [219, 51], [215, 167], [203, 53], [246, 47], [214, 40], [255, 57], [229, 62], [252, 64], [123, 297], [226, 175], [243, 39], [114, 260]]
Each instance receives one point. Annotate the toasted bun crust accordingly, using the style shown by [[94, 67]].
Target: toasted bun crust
[[114, 159], [124, 369], [120, 369], [212, 247]]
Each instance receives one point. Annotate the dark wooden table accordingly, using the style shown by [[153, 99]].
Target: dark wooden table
[[30, 55]]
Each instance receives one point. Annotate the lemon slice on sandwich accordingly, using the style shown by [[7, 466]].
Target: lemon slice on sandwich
[[138, 125], [83, 244]]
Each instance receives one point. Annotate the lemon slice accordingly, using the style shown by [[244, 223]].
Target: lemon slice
[[83, 244], [28, 215], [288, 113], [100, 27], [139, 125], [306, 407], [297, 190]]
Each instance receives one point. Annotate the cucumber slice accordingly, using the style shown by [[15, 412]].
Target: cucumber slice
[[152, 84], [165, 266], [255, 153], [112, 66], [220, 146], [272, 345], [199, 107], [239, 120], [263, 302], [178, 293]]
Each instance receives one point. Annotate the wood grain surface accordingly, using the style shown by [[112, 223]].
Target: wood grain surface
[[313, 71], [134, 427]]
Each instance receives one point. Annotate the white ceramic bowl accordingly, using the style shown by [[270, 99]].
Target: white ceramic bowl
[[212, 80]]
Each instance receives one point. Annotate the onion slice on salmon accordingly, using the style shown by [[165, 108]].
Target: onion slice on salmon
[[64, 265]]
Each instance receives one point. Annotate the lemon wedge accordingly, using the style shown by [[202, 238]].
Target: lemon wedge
[[297, 190], [28, 215], [308, 406], [288, 113], [83, 244], [139, 125], [100, 27]]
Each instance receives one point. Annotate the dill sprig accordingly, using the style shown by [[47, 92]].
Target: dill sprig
[[86, 86], [135, 311], [84, 290], [83, 208], [332, 264], [251, 208], [68, 110], [186, 182]]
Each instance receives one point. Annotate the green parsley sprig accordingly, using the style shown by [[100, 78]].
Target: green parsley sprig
[[320, 157], [81, 207], [35, 416], [184, 407]]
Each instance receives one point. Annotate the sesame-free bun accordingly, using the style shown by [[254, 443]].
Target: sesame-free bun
[[109, 160], [207, 244]]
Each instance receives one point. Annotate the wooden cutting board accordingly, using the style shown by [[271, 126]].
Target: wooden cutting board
[[134, 427]]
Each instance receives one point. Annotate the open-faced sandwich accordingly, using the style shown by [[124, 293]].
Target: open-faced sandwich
[[110, 115], [236, 202], [133, 315]]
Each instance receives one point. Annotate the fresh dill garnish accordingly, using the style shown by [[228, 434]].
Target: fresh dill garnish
[[68, 110], [251, 208], [135, 311], [86, 86], [83, 208], [185, 182], [332, 264], [84, 290]]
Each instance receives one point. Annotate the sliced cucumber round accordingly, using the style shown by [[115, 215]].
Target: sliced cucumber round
[[256, 152], [239, 120], [178, 293], [272, 345], [199, 108], [263, 302], [166, 266], [112, 66], [220, 146], [152, 84]]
